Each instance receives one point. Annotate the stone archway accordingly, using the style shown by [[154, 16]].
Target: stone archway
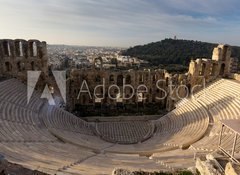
[[128, 79], [8, 66], [214, 69], [32, 65], [6, 49], [202, 70], [111, 78], [120, 80], [222, 69]]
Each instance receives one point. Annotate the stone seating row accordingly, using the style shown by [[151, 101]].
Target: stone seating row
[[227, 89], [19, 132], [48, 158], [224, 101], [178, 129], [184, 125], [106, 163], [18, 114], [14, 91], [125, 132], [61, 119]]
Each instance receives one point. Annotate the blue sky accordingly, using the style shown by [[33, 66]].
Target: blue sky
[[120, 23]]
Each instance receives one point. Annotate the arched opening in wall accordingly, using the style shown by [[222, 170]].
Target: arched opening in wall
[[98, 79], [111, 78], [33, 49], [32, 65], [140, 78], [19, 66], [214, 69], [154, 78], [8, 67], [19, 48], [146, 77], [120, 80], [6, 48], [202, 70], [222, 69], [23, 66], [128, 79]]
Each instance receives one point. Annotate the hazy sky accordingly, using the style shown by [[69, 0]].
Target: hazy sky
[[120, 23]]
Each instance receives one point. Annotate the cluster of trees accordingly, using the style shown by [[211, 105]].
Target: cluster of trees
[[174, 55]]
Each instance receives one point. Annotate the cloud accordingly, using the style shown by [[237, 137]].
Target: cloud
[[124, 23]]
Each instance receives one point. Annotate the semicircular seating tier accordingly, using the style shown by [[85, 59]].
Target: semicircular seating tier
[[222, 99], [52, 140]]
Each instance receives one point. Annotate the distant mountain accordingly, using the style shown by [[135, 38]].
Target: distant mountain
[[175, 52]]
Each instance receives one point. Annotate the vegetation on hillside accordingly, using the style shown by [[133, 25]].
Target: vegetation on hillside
[[175, 54]]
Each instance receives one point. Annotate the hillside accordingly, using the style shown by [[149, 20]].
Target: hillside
[[174, 53]]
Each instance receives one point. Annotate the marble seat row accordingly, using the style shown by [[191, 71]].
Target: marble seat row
[[48, 158], [178, 129], [18, 114], [224, 103], [18, 95], [19, 132], [225, 90], [106, 163], [61, 119], [125, 132], [208, 87], [184, 125]]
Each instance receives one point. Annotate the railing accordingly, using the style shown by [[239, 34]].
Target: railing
[[230, 153]]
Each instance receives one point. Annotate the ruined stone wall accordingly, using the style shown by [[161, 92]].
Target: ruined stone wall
[[19, 56], [220, 65], [177, 86], [234, 65], [136, 78]]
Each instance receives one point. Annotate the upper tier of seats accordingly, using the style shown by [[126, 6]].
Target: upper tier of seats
[[15, 92], [222, 99]]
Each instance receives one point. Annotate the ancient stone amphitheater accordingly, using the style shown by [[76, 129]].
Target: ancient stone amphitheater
[[52, 140]]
